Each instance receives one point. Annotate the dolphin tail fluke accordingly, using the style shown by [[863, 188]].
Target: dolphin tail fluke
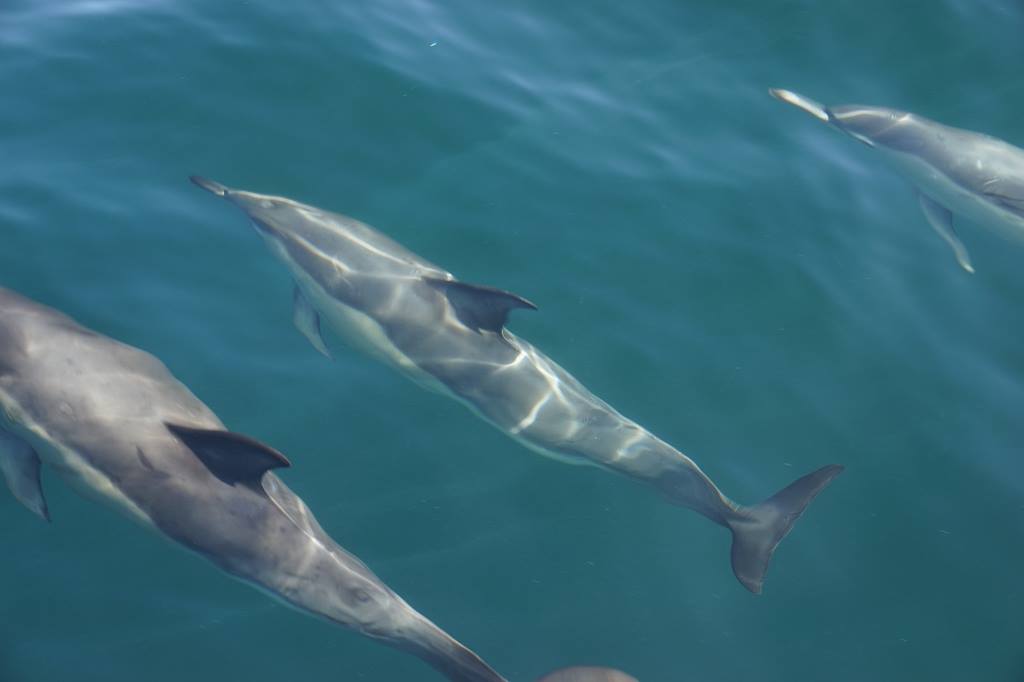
[[758, 530]]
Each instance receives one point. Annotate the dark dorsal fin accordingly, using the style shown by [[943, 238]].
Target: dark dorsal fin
[[480, 308], [231, 457]]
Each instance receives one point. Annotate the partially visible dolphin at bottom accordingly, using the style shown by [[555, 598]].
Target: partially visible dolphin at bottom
[[113, 422], [588, 674], [955, 171]]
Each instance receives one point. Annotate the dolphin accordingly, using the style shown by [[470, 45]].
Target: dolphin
[[450, 336], [587, 674], [955, 171], [113, 422]]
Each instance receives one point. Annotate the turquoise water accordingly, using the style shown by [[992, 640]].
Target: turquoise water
[[751, 286]]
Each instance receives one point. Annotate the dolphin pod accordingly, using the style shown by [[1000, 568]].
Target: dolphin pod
[[450, 336], [955, 171], [113, 422]]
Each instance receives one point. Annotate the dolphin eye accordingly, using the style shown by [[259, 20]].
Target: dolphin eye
[[362, 596]]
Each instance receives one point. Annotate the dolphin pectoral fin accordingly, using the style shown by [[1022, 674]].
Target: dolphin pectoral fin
[[20, 466], [941, 220], [231, 457], [307, 321], [478, 307]]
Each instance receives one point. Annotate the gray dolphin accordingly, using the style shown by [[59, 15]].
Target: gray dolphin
[[449, 336], [955, 171], [587, 674], [113, 422]]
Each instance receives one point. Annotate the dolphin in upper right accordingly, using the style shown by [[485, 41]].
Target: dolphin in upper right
[[956, 171]]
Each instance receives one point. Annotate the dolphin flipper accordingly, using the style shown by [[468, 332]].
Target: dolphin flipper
[[307, 321], [20, 466], [941, 219], [478, 307]]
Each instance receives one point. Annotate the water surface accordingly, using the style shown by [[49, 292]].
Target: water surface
[[751, 286]]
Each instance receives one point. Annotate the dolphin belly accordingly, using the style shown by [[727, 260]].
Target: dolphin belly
[[576, 460], [959, 199], [363, 333]]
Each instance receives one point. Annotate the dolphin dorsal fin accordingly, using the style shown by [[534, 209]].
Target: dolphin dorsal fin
[[480, 308], [231, 457]]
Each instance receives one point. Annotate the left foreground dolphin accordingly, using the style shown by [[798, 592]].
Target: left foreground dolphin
[[114, 423], [450, 336], [955, 171]]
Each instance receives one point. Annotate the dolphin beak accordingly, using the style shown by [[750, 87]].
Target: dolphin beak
[[209, 185], [800, 102]]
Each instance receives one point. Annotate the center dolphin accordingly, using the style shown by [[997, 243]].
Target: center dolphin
[[450, 336], [112, 421], [955, 171]]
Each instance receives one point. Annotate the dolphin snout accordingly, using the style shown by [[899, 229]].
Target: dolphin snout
[[209, 185], [813, 108]]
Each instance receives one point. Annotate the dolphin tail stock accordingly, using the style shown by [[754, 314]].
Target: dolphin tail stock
[[758, 530], [445, 654]]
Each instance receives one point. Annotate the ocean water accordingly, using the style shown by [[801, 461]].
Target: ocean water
[[751, 286]]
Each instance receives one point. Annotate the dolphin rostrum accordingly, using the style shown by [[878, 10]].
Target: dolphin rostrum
[[956, 172], [450, 336], [112, 421]]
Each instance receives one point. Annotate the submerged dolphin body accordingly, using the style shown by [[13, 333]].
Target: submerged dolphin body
[[112, 421], [449, 336], [587, 674], [955, 171]]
